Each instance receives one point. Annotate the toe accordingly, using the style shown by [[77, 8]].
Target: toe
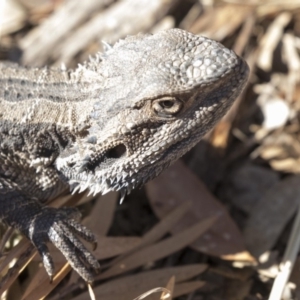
[[82, 231], [46, 259]]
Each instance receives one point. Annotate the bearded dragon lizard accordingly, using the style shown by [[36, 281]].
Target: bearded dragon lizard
[[112, 124]]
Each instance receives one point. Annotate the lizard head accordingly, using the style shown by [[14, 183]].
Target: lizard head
[[157, 96]]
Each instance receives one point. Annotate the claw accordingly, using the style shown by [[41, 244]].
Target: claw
[[95, 245]]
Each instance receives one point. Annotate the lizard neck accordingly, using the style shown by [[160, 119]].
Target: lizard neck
[[39, 96]]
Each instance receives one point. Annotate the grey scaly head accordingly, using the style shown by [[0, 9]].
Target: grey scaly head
[[154, 96]]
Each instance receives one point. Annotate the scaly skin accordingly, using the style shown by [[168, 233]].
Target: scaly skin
[[112, 124]]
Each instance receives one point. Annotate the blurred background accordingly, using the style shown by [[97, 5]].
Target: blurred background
[[217, 224]]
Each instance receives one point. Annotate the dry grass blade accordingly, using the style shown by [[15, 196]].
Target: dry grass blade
[[40, 285], [91, 292], [14, 253], [7, 235], [167, 292], [170, 286], [23, 259], [288, 261], [180, 289], [155, 290], [129, 287], [161, 249]]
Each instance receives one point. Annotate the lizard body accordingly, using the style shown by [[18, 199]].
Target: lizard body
[[112, 124]]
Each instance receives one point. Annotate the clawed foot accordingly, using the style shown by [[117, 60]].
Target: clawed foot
[[61, 227]]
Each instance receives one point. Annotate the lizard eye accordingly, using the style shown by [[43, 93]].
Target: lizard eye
[[167, 107]]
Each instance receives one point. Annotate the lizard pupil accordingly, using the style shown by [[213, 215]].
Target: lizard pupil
[[167, 103]]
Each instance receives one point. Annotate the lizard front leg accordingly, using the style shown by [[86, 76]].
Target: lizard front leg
[[42, 224]]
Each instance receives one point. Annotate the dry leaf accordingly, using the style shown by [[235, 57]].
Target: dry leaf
[[237, 290], [187, 287], [159, 250], [102, 214], [271, 214], [160, 229], [111, 246], [178, 185], [246, 184]]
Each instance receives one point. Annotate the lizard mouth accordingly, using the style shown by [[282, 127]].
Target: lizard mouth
[[106, 158]]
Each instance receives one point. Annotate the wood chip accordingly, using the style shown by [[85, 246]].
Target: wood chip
[[271, 39], [114, 23]]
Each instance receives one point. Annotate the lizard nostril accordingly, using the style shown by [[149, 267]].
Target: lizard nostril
[[106, 158], [71, 164], [116, 152]]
